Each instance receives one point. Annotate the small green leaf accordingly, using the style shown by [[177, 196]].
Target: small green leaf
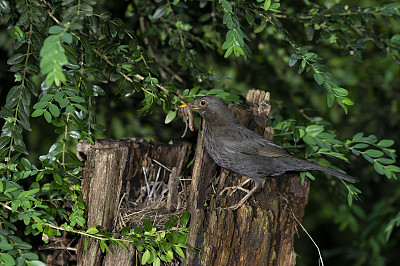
[[15, 59], [228, 52], [318, 78], [349, 198], [77, 99], [386, 143], [267, 4], [261, 27], [179, 251], [54, 110], [330, 99], [4, 6], [314, 130], [66, 37], [374, 153], [6, 246], [341, 91], [7, 259], [92, 230], [379, 168], [360, 146], [147, 225], [171, 222], [170, 116], [47, 116], [55, 29], [38, 112], [185, 218], [145, 257]]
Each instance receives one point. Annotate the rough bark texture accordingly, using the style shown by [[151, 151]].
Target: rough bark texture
[[261, 232], [114, 168]]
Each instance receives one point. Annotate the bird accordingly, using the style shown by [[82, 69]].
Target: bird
[[242, 151]]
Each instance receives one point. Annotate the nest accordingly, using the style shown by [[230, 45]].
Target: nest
[[150, 200]]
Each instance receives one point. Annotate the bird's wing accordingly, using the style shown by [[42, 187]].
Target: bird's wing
[[248, 142]]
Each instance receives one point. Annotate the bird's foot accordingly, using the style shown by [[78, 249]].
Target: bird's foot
[[243, 200], [233, 189]]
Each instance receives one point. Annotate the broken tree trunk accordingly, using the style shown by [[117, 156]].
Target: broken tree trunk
[[114, 171], [261, 232]]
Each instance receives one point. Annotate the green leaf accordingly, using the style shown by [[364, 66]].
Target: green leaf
[[179, 251], [385, 160], [185, 218], [92, 230], [267, 5], [379, 168], [314, 130], [27, 164], [349, 198], [160, 11], [4, 6], [38, 112], [77, 99], [6, 246], [360, 146], [228, 52], [7, 259], [66, 37], [170, 116], [394, 168], [157, 261], [374, 153], [261, 27], [40, 105], [47, 116], [386, 143], [318, 78], [145, 257], [227, 5], [55, 29], [340, 91], [147, 225], [15, 59], [330, 99], [171, 222], [54, 110]]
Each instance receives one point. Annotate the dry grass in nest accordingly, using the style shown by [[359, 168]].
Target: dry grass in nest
[[150, 201]]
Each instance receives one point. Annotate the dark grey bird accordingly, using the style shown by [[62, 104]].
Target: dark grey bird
[[238, 149]]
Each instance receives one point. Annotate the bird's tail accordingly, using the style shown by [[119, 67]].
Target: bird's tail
[[335, 173]]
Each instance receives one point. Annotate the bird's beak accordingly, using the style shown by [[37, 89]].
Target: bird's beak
[[189, 105]]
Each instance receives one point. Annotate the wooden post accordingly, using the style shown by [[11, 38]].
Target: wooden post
[[261, 232]]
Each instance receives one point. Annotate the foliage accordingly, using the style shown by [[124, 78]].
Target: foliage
[[68, 57], [156, 245]]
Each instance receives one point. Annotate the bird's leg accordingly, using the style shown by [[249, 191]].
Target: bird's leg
[[234, 188], [257, 183]]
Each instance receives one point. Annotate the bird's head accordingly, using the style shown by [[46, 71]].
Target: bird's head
[[213, 110]]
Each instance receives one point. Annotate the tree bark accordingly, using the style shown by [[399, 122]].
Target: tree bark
[[261, 232]]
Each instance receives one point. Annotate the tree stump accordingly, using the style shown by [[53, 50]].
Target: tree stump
[[261, 232], [113, 169]]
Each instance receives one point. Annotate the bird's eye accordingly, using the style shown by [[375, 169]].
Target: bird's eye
[[203, 103]]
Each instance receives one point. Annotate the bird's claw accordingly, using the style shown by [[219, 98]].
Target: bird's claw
[[234, 188]]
